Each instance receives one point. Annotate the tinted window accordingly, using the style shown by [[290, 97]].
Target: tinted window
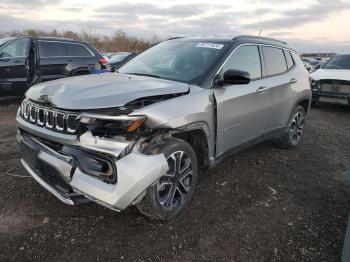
[[245, 58], [17, 48], [275, 63], [338, 62], [77, 50], [52, 49], [289, 58], [3, 41]]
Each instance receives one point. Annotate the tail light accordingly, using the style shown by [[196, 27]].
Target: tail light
[[103, 61]]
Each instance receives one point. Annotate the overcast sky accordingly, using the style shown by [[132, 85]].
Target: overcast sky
[[309, 25]]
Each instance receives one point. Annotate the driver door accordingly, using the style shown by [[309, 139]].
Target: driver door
[[241, 109], [14, 67]]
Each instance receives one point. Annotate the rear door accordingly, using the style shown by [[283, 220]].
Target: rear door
[[53, 59], [280, 78], [241, 109], [14, 67]]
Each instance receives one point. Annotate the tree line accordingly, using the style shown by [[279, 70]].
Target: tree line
[[118, 42]]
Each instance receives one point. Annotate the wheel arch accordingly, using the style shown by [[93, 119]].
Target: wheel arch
[[199, 141]]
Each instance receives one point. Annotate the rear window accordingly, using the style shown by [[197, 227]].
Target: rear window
[[52, 49], [275, 63], [77, 50], [289, 58]]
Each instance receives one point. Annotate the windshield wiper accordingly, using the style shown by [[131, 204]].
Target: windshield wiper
[[142, 74]]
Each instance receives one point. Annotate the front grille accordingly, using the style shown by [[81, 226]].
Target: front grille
[[57, 120], [335, 86]]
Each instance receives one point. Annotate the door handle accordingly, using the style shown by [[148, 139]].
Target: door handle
[[262, 89], [293, 81]]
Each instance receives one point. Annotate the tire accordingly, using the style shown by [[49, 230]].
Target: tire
[[296, 124], [171, 193]]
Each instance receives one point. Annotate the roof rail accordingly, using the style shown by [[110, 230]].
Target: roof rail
[[176, 37], [55, 37], [259, 38]]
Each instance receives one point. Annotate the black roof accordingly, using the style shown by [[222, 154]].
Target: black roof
[[237, 39]]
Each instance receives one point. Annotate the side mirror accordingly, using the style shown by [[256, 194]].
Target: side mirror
[[235, 77]]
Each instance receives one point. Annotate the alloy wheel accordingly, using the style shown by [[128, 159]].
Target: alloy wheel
[[174, 187], [296, 127]]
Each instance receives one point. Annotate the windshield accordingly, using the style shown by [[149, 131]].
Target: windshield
[[118, 58], [183, 61], [338, 62]]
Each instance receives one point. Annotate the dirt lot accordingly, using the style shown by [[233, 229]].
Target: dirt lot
[[263, 204]]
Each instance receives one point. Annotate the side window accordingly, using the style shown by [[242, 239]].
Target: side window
[[77, 50], [52, 49], [17, 48], [245, 58], [275, 62], [289, 58]]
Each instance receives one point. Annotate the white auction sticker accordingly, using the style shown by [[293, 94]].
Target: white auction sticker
[[210, 45]]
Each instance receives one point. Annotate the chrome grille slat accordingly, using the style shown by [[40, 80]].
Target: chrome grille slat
[[41, 117], [60, 119], [50, 118], [32, 115], [71, 118]]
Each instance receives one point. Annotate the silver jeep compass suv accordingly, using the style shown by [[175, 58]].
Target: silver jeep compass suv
[[142, 135]]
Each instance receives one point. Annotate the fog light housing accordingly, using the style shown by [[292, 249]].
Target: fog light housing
[[93, 163]]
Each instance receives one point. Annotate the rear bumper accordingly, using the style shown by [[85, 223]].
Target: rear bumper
[[60, 175]]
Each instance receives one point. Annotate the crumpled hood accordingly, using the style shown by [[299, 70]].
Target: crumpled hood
[[331, 74], [101, 91]]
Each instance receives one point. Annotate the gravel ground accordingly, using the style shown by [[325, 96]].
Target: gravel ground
[[262, 204]]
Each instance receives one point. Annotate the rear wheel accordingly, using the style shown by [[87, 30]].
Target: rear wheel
[[173, 191], [295, 129]]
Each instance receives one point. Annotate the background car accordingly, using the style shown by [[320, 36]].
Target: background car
[[308, 66], [25, 61], [119, 59], [331, 83]]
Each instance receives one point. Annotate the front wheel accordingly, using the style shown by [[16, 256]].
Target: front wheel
[[295, 129], [173, 191]]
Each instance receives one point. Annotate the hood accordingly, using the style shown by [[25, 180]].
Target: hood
[[101, 91], [331, 74]]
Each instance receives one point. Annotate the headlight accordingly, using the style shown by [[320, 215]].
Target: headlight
[[104, 125], [314, 84]]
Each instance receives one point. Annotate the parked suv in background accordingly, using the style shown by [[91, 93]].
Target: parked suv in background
[[331, 83], [25, 61], [141, 136]]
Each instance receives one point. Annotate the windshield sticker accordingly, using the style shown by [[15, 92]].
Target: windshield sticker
[[210, 45]]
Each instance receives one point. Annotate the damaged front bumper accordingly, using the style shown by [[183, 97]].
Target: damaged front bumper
[[63, 175], [331, 98]]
